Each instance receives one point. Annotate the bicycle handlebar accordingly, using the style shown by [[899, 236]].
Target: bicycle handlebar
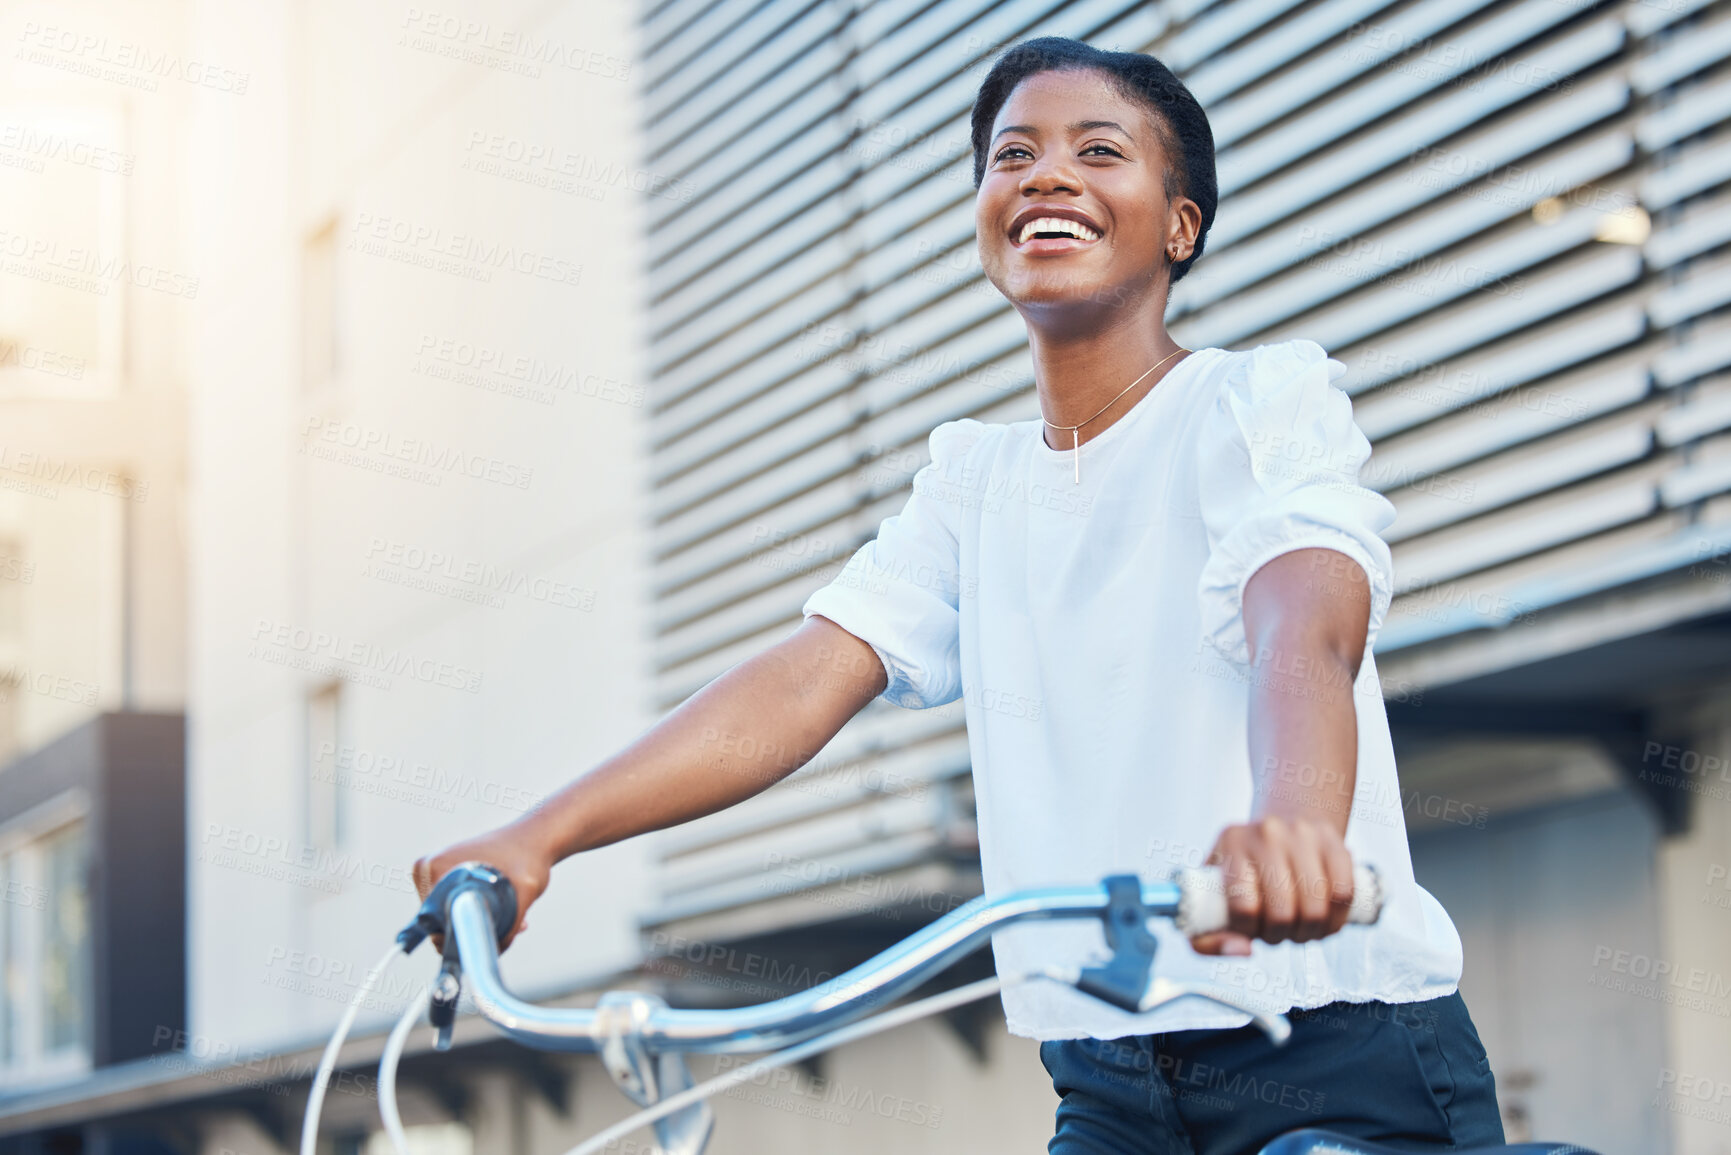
[[1196, 901]]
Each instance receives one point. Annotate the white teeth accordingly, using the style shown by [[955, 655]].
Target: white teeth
[[1057, 225]]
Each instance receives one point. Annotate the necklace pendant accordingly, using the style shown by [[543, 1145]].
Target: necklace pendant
[[1076, 453]]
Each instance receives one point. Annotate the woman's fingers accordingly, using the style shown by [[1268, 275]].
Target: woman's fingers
[[1286, 880], [1313, 889], [1221, 942], [1341, 884], [1236, 854], [1279, 881]]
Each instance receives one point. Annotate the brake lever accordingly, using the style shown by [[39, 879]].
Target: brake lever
[[434, 917], [1163, 991], [1123, 981], [447, 988], [1126, 981]]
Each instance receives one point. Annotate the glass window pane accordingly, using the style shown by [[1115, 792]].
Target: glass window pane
[[10, 976], [66, 945]]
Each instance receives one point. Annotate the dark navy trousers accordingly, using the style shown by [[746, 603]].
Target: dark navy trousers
[[1411, 1075]]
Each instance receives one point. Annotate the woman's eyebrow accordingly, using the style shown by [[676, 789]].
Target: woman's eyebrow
[[1079, 126]]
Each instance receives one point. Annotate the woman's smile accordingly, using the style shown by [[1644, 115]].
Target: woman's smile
[[1050, 229]]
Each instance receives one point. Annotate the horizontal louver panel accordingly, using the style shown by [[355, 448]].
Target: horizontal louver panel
[[1508, 218]]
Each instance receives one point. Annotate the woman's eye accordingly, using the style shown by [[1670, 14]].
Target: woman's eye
[[1002, 153], [1105, 148]]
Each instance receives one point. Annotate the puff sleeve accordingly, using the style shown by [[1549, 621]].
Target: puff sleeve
[[1279, 459], [899, 592]]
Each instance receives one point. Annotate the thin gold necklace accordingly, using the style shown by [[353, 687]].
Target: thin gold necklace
[[1075, 430]]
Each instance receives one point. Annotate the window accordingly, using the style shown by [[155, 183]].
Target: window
[[324, 827], [14, 574], [45, 995], [319, 353], [63, 176]]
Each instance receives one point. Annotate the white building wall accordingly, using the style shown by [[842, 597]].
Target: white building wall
[[485, 622], [1693, 1083]]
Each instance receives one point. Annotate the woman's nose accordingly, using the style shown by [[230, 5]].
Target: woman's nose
[[1050, 173]]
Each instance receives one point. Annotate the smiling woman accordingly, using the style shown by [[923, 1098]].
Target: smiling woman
[[1214, 506], [1166, 653]]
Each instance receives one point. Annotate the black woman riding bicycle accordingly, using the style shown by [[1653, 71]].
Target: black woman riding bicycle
[[1175, 578]]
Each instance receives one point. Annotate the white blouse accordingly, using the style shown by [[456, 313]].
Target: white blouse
[[1094, 632]]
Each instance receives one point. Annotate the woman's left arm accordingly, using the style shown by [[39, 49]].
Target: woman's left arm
[[1306, 615]]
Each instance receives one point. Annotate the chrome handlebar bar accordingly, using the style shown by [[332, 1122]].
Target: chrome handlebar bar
[[643, 1042], [783, 1022], [1195, 901]]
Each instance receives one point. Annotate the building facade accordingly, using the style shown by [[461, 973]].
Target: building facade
[[544, 360]]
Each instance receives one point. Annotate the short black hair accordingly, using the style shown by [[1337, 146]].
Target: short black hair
[[1177, 115]]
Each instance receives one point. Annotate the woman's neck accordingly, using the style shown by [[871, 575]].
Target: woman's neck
[[1079, 372]]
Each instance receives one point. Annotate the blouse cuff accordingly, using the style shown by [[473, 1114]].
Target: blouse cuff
[[904, 682], [1252, 546]]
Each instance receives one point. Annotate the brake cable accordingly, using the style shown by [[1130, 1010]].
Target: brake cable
[[316, 1101]]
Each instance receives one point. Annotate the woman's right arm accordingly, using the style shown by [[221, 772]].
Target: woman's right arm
[[742, 733]]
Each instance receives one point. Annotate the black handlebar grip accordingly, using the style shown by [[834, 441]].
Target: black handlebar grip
[[434, 917]]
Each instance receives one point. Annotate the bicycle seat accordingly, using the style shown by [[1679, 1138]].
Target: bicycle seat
[[1311, 1141]]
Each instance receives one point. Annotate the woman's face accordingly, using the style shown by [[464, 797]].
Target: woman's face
[[1068, 142]]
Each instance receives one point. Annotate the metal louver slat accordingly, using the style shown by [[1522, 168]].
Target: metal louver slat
[[1254, 211], [1353, 109], [1368, 256], [1219, 29], [1695, 109], [1708, 411], [1425, 281], [1646, 17], [1256, 109], [710, 67], [1488, 266], [1526, 529], [1214, 80], [1489, 427], [1693, 172], [1441, 172], [1694, 233], [1644, 551], [1707, 287], [1708, 472], [1705, 351], [669, 29], [1501, 483], [1472, 380], [701, 500], [708, 148], [1576, 282], [910, 771], [1682, 58]]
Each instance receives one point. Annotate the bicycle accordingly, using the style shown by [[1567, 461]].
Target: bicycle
[[643, 1042]]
